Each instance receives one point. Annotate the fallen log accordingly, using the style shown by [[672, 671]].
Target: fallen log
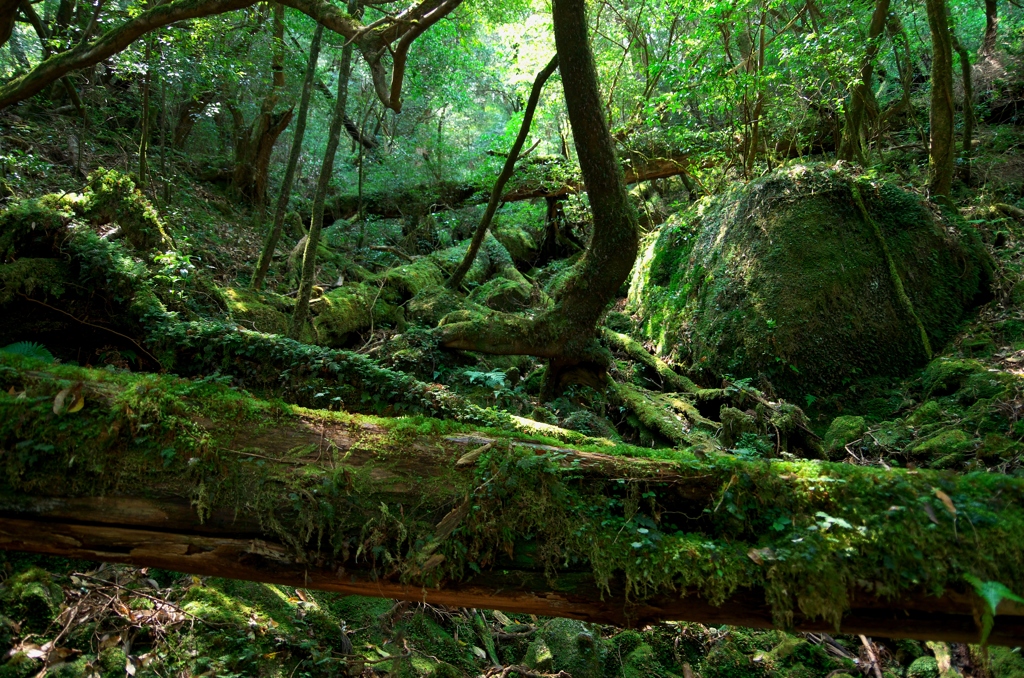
[[196, 477], [539, 180]]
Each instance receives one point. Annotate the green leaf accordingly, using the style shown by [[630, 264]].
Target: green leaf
[[993, 593], [29, 349]]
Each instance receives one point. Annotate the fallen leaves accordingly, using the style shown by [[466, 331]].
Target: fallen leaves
[[69, 400]]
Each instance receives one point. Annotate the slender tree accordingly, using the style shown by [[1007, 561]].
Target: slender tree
[[965, 73], [326, 169], [506, 172], [988, 42], [566, 335], [941, 147], [852, 145], [293, 160]]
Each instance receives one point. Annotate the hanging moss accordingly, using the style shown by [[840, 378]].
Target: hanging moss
[[785, 279]]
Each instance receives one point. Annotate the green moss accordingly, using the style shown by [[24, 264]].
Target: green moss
[[22, 666], [944, 376], [259, 311], [411, 279], [501, 294], [31, 598], [930, 412], [785, 280], [29, 276], [1006, 663], [841, 432], [947, 442], [111, 198], [923, 667], [349, 310]]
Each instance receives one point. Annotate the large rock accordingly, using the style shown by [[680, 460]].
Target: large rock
[[785, 280]]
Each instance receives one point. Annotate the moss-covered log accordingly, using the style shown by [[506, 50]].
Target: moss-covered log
[[545, 177], [197, 477]]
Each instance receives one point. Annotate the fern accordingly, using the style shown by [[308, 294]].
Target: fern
[[30, 349]]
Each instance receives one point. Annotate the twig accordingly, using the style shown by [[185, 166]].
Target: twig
[[144, 595], [99, 327]]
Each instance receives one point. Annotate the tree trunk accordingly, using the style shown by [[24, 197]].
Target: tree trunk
[[566, 334], [941, 148], [252, 159], [851, 146], [188, 114], [965, 72], [200, 478], [326, 170], [988, 42], [506, 173], [293, 160], [145, 123]]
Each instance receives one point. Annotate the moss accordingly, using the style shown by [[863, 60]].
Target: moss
[[111, 198], [350, 310], [1006, 663], [29, 276], [259, 311], [22, 666], [843, 523], [994, 447], [944, 376], [432, 304], [929, 412], [784, 279], [538, 656], [572, 647], [923, 667], [411, 279], [32, 598], [947, 442], [501, 294], [841, 432], [735, 423], [34, 228]]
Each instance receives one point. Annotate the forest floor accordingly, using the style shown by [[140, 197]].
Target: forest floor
[[964, 411]]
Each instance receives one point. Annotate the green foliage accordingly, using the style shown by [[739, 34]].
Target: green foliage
[[29, 349]]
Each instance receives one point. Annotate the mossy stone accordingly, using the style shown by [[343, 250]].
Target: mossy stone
[[259, 311], [572, 648], [928, 413], [23, 666], [785, 279], [735, 423], [841, 432], [995, 446], [923, 667], [502, 294], [431, 304], [32, 598], [538, 656], [944, 376], [112, 198], [1005, 662], [951, 441]]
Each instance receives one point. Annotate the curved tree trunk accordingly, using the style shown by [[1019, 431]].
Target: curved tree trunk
[[252, 157], [188, 114], [852, 146], [941, 147], [566, 335]]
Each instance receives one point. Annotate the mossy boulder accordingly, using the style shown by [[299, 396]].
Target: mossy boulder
[[923, 667], [788, 279], [32, 599], [949, 442], [260, 311], [112, 198], [502, 294], [349, 310], [841, 432], [1006, 663]]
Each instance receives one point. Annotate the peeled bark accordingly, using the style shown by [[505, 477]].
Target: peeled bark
[[156, 471], [506, 173], [941, 147], [293, 160]]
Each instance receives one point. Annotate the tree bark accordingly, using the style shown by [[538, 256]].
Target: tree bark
[[202, 479], [941, 147], [293, 160], [506, 173], [566, 335], [988, 42], [969, 117], [188, 114], [851, 146], [252, 158], [319, 198]]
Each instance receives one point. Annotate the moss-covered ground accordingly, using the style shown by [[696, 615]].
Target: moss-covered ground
[[105, 277]]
